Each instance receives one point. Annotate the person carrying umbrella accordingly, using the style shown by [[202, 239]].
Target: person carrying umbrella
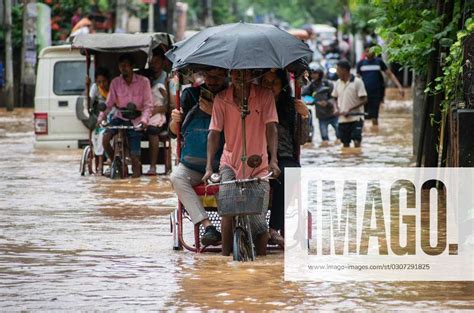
[[261, 126], [244, 110]]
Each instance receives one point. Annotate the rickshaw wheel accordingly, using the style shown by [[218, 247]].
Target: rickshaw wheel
[[242, 250], [311, 128], [87, 161], [116, 168]]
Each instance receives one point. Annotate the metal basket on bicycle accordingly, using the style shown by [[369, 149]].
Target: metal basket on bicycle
[[242, 198]]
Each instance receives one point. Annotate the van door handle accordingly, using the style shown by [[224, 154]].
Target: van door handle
[[63, 103]]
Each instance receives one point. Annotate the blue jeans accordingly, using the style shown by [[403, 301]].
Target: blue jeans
[[324, 125]]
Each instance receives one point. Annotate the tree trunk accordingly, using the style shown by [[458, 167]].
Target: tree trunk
[[418, 98], [427, 155], [8, 55]]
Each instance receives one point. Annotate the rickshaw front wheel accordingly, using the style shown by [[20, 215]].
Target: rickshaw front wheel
[[87, 161], [242, 248], [116, 168]]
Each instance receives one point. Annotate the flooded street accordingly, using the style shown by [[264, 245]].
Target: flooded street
[[71, 242]]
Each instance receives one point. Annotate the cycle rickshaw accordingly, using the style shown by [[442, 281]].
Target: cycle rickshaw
[[192, 55], [103, 50]]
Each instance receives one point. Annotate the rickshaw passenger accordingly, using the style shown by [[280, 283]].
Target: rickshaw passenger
[[261, 132], [158, 80], [196, 112], [98, 93], [287, 107], [124, 89]]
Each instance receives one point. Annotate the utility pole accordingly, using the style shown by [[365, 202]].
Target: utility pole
[[207, 14], [8, 54], [170, 14], [121, 23], [151, 17], [28, 53]]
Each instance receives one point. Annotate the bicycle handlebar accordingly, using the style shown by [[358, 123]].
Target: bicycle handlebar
[[243, 180], [108, 126]]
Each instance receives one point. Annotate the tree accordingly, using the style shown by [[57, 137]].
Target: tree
[[296, 12], [419, 37]]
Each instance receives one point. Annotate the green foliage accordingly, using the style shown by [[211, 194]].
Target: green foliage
[[362, 11], [221, 12], [61, 14], [295, 12], [17, 19], [409, 32], [451, 81], [17, 30]]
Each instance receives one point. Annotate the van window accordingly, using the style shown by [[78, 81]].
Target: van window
[[69, 78]]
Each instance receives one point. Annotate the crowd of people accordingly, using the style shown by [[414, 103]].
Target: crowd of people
[[331, 98], [209, 121]]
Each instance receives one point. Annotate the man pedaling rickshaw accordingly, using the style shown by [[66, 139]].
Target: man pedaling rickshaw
[[131, 94], [261, 127]]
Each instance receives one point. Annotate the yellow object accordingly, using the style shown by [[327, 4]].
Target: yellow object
[[209, 201]]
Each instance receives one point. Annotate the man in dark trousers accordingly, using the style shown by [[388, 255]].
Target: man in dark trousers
[[350, 96], [370, 70]]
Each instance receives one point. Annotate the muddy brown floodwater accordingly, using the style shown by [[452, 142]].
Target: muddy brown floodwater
[[71, 242]]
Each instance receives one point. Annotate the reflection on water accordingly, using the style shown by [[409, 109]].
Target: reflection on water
[[68, 241]]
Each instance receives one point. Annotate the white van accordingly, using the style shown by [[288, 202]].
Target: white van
[[60, 85]]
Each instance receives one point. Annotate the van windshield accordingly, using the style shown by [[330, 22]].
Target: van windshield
[[69, 77]]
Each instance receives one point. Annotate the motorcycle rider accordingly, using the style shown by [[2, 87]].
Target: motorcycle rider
[[320, 89]]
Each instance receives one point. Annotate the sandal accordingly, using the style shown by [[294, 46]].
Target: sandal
[[276, 239], [151, 173]]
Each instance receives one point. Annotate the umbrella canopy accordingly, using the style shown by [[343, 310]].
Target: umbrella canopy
[[239, 46]]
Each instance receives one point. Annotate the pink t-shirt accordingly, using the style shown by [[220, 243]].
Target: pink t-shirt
[[138, 92], [226, 117]]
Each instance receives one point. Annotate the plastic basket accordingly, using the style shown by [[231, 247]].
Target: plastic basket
[[242, 199]]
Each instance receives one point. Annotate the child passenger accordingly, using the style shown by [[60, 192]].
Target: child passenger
[[98, 93]]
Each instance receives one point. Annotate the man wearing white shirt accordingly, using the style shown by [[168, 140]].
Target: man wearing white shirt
[[351, 96]]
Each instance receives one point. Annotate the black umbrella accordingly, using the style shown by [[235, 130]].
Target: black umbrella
[[239, 46]]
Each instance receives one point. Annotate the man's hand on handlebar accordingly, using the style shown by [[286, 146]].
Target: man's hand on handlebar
[[207, 175], [273, 167]]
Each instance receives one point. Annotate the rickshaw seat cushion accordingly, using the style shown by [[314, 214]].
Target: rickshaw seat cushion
[[201, 190]]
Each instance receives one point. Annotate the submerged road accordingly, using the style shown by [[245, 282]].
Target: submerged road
[[79, 243]]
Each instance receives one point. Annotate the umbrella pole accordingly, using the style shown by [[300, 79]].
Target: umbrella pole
[[299, 119], [243, 115], [88, 103], [244, 141], [178, 107]]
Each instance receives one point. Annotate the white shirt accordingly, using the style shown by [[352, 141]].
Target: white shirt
[[348, 95]]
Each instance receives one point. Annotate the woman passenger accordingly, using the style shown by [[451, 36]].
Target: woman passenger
[[287, 107]]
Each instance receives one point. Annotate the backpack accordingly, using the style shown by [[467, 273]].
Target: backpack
[[194, 137]]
